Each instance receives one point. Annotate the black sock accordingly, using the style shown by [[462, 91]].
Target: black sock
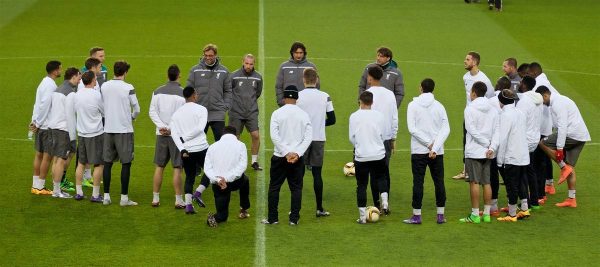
[[106, 175], [318, 186], [64, 177], [125, 173]]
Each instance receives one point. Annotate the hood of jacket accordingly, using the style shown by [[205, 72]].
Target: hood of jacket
[[481, 104], [203, 64], [425, 100], [299, 62], [390, 64], [535, 97]]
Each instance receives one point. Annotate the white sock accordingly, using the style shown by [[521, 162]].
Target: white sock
[[440, 210], [384, 200], [155, 197], [124, 198], [95, 191], [512, 210], [486, 209], [254, 158], [106, 196], [475, 212], [201, 188], [178, 199], [494, 205], [417, 212], [56, 187], [188, 199], [35, 183], [79, 189], [562, 164], [524, 205], [549, 181], [362, 213], [41, 183], [87, 174], [571, 193]]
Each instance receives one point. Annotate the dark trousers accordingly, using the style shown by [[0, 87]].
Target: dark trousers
[[532, 181], [279, 172], [494, 178], [191, 165], [217, 128], [540, 161], [419, 164], [222, 197], [515, 181], [376, 170], [383, 186]]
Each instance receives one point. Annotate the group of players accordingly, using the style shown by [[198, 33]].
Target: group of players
[[508, 130]]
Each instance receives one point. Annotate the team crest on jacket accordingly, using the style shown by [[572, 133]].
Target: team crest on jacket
[[218, 74], [241, 84]]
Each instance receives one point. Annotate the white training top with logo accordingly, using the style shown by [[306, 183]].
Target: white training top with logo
[[316, 104]]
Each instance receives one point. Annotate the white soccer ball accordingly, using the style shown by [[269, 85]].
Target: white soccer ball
[[349, 169], [372, 214]]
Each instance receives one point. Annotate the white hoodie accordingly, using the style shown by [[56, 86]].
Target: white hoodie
[[481, 123], [546, 127], [531, 104], [568, 120], [513, 140], [428, 124]]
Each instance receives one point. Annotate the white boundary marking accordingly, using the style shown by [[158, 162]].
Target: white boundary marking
[[284, 58], [259, 231]]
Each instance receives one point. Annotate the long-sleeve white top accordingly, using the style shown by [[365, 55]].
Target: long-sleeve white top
[[384, 101], [121, 106], [165, 101], [531, 104], [226, 158], [568, 120], [366, 134], [481, 123], [512, 147], [547, 120], [472, 79], [187, 127], [89, 108], [427, 124], [291, 130], [43, 101], [316, 104], [61, 116]]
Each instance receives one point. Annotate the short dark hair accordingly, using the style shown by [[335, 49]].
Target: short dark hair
[[188, 92], [70, 72], [427, 85], [310, 76], [88, 77], [542, 90], [91, 62], [384, 51], [475, 56], [52, 65], [295, 47], [121, 67], [95, 49], [523, 69], [535, 67], [528, 82], [375, 71], [366, 98], [230, 130], [502, 83], [511, 61], [173, 72], [479, 88]]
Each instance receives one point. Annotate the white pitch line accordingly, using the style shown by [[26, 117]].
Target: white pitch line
[[260, 257]]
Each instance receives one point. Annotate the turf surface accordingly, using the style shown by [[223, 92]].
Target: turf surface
[[429, 39]]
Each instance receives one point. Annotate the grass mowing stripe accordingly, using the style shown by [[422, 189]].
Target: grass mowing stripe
[[259, 231]]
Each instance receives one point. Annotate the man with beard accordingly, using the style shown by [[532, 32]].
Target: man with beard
[[291, 72], [392, 77]]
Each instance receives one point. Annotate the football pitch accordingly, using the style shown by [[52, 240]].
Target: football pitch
[[428, 38]]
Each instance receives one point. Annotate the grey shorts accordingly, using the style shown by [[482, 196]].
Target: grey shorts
[[43, 141], [61, 144], [478, 170], [164, 150], [314, 154], [118, 146], [572, 148], [90, 150], [251, 123]]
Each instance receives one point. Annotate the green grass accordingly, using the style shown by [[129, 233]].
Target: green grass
[[429, 39]]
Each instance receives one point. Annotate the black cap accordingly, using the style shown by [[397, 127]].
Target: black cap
[[291, 91]]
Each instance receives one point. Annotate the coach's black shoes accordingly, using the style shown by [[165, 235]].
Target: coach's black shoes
[[266, 221], [256, 167], [210, 220]]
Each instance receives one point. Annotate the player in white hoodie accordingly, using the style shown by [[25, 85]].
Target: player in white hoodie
[[513, 155], [428, 126], [565, 145], [481, 123]]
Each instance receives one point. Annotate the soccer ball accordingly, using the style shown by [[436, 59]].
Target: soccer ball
[[372, 214], [349, 169]]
